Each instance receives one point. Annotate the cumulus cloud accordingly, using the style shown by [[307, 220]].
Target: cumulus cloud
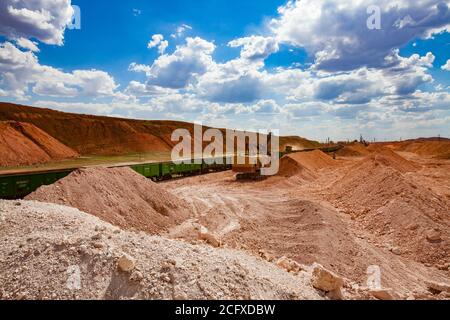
[[136, 67], [255, 47], [242, 89], [446, 66], [266, 106], [306, 109], [243, 80], [335, 31], [179, 68], [44, 20], [158, 41], [20, 70], [353, 88], [192, 67], [27, 44], [138, 89], [358, 86]]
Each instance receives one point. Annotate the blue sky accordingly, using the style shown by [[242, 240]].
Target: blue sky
[[309, 67], [105, 28]]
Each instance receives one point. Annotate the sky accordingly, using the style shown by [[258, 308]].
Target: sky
[[312, 68]]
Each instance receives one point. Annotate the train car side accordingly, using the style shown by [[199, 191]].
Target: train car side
[[15, 186]]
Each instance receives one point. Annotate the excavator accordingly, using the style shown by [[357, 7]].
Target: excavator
[[249, 166], [245, 169]]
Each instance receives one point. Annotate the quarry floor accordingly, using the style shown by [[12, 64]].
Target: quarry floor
[[296, 218]]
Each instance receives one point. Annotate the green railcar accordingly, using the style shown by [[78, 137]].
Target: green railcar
[[214, 164], [166, 169], [15, 186], [148, 170], [187, 168]]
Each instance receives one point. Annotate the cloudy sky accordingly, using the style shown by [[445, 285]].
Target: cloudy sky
[[312, 68]]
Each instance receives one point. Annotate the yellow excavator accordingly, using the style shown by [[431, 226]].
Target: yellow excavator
[[248, 167]]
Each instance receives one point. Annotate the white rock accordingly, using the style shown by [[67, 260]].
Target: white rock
[[326, 280], [126, 264]]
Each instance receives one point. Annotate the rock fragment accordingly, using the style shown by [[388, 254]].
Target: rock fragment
[[433, 236], [208, 237], [289, 265], [382, 294], [438, 287], [327, 281], [126, 263]]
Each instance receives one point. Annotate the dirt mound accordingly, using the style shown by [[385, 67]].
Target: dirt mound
[[289, 167], [377, 147], [100, 135], [398, 211], [304, 164], [297, 143], [119, 196], [439, 149], [312, 160], [56, 252], [25, 144], [389, 158], [96, 134], [353, 150]]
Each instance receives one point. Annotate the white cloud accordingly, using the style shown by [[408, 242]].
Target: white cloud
[[139, 89], [135, 67], [20, 70], [44, 20], [306, 109], [446, 66], [335, 31], [163, 46], [358, 86], [266, 106], [27, 44], [255, 47], [244, 88], [238, 80], [158, 41], [244, 80], [179, 68]]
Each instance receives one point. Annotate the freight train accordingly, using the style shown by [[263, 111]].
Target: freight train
[[16, 186], [19, 185]]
